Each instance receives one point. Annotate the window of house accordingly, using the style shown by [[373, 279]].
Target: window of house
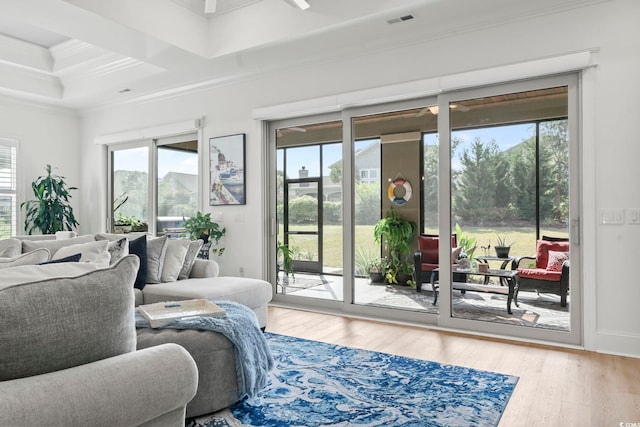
[[154, 184], [8, 208], [368, 176]]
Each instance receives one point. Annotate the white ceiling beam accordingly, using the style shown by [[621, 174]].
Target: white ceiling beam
[[210, 6], [302, 4]]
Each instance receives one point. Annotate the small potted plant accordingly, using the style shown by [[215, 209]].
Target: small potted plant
[[502, 247], [200, 226], [126, 223], [375, 269], [284, 261]]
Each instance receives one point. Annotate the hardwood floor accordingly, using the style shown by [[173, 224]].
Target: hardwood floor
[[557, 386]]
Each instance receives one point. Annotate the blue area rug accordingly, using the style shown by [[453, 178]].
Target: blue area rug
[[318, 384]]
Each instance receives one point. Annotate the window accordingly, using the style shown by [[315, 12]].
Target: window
[[154, 184], [8, 208], [368, 176]]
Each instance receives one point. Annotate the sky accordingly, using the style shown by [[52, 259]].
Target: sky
[[136, 159], [504, 136]]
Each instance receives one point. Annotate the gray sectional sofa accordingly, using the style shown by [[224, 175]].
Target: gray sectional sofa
[[202, 280], [169, 276], [69, 354]]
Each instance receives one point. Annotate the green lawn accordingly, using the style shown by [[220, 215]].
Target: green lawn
[[522, 239]]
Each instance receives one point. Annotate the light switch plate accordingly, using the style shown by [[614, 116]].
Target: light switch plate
[[612, 217], [633, 216]]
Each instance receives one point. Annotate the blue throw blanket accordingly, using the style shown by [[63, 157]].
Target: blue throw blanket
[[252, 353]]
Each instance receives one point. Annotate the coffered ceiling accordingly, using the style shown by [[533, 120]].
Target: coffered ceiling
[[88, 53]]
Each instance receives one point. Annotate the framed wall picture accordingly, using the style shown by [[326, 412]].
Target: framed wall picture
[[226, 170]]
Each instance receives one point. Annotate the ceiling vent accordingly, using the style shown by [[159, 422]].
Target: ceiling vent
[[408, 17]]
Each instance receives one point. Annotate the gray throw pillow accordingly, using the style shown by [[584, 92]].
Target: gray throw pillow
[[156, 251], [190, 259], [54, 245], [118, 249], [10, 248], [174, 259], [30, 258], [58, 323]]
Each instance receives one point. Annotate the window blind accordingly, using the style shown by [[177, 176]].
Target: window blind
[[8, 208]]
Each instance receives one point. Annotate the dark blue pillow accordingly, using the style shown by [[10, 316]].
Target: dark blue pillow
[[139, 247], [70, 258]]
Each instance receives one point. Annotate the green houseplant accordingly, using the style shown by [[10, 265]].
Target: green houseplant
[[200, 226], [126, 223], [502, 246], [376, 269], [284, 255], [396, 235], [51, 211]]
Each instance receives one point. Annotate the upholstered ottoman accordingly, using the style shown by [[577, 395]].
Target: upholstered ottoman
[[214, 356]]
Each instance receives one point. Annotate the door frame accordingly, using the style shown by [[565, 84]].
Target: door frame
[[305, 265], [445, 319]]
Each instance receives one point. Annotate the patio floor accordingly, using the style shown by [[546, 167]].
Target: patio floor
[[535, 310]]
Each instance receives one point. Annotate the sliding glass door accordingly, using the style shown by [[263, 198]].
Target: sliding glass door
[[513, 197], [477, 170]]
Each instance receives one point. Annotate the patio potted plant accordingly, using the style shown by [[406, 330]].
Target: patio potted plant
[[502, 247], [284, 257], [52, 211], [375, 269], [396, 235]]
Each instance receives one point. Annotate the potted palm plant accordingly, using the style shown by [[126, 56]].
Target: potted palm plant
[[396, 234], [51, 211]]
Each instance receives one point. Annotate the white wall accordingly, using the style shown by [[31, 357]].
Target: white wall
[[610, 150], [46, 135]]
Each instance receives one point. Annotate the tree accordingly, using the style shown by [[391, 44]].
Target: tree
[[475, 187], [554, 173]]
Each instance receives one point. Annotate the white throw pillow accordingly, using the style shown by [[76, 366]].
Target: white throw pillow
[[174, 259], [30, 258], [55, 245], [190, 259], [156, 251], [94, 252]]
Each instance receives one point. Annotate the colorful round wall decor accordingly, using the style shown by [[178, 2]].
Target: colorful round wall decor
[[395, 191]]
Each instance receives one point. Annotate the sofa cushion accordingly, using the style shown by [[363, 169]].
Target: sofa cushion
[[539, 274], [156, 251], [30, 258], [95, 252], [10, 248], [190, 258], [138, 247], [54, 245], [174, 259], [61, 322], [249, 292]]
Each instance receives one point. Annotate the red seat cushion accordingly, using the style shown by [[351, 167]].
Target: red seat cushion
[[540, 274], [429, 248], [542, 251], [426, 266]]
